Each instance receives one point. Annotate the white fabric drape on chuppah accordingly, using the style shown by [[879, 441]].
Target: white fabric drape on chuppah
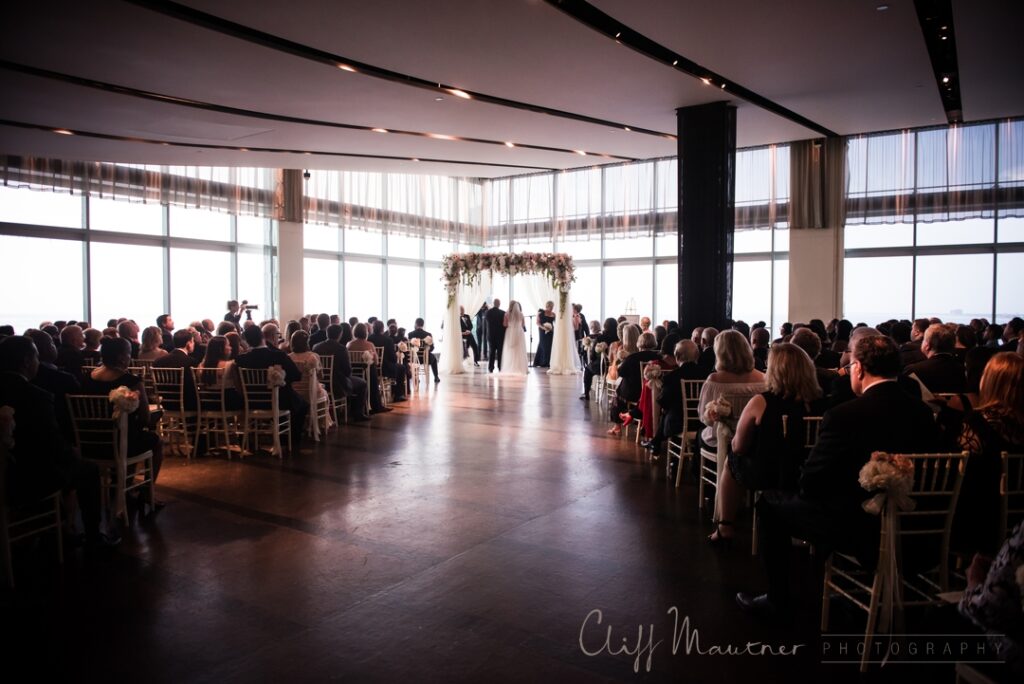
[[472, 298]]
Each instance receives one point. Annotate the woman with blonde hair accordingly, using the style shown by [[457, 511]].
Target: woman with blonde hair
[[995, 426], [151, 340], [768, 447]]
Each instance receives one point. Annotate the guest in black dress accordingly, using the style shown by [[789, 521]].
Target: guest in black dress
[[546, 316]]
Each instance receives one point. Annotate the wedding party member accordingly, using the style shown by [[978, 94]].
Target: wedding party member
[[768, 447], [494, 320], [262, 357], [69, 354], [360, 343], [466, 323], [152, 344], [389, 360], [546, 332], [166, 325], [115, 357], [342, 381], [995, 426], [42, 459], [481, 330], [827, 512], [992, 601], [514, 357], [593, 367]]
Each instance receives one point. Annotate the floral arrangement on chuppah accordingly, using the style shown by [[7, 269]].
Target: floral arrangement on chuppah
[[467, 268]]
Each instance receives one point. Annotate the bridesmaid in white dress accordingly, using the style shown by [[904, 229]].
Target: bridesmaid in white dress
[[514, 359]]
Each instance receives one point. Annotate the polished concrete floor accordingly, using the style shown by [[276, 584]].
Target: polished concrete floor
[[466, 536]]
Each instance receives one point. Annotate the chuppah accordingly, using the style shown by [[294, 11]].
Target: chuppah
[[468, 279]]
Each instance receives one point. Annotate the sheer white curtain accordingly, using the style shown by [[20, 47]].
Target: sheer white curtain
[[471, 297], [533, 292]]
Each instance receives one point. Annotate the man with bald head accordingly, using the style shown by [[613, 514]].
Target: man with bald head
[[842, 391], [707, 360], [69, 356]]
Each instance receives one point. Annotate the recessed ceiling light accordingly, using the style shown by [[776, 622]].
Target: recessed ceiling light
[[723, 86], [510, 144], [346, 67], [415, 159], [618, 34], [379, 130], [438, 99], [944, 37], [625, 128], [945, 79], [944, 28], [707, 81], [882, 8], [674, 62], [440, 136], [460, 93], [62, 131], [581, 153]]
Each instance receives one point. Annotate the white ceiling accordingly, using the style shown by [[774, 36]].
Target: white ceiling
[[840, 63]]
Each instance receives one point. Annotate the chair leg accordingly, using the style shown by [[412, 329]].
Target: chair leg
[[679, 468], [60, 533], [753, 529], [869, 631], [825, 595]]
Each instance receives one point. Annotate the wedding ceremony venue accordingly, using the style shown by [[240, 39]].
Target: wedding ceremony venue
[[512, 341]]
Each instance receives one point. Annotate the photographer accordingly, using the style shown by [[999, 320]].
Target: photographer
[[234, 314]]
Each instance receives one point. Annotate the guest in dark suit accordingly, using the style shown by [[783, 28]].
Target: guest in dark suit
[[495, 321], [420, 334], [941, 371], [707, 358], [69, 355], [342, 381], [759, 340], [811, 343], [182, 357], [166, 325], [322, 322], [43, 460], [671, 398], [129, 331], [389, 361], [607, 335], [467, 335], [827, 511], [261, 356], [55, 381]]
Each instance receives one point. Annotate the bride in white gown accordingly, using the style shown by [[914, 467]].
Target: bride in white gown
[[513, 352]]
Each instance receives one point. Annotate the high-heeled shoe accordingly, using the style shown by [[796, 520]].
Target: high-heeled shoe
[[626, 418], [615, 431], [716, 539]]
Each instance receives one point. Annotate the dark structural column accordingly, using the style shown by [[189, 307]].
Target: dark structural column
[[707, 157]]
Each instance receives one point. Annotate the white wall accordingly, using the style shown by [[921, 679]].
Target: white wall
[[815, 274]]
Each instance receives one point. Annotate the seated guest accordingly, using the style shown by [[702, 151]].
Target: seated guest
[[360, 343], [995, 426], [53, 380], [707, 349], [631, 384], [41, 459], [260, 356], [910, 352], [811, 344], [966, 340], [91, 351], [827, 512], [768, 447], [623, 346], [993, 603], [1013, 333], [115, 357], [671, 398], [285, 345], [183, 343], [941, 371], [166, 325], [420, 333], [322, 322], [842, 387], [218, 355], [225, 327], [198, 344], [342, 382], [735, 375], [993, 336], [389, 360], [759, 339], [127, 330], [236, 346], [69, 355], [152, 344], [308, 363]]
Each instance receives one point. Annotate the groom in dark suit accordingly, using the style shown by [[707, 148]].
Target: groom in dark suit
[[827, 512], [495, 318]]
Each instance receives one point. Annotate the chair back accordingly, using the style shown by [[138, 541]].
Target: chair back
[[98, 435], [144, 370], [210, 388], [359, 365], [812, 424], [169, 384], [380, 358], [327, 372], [1011, 491], [256, 392]]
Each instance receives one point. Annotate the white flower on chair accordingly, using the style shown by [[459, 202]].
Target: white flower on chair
[[403, 347], [275, 376], [716, 410], [892, 476], [7, 426], [600, 347], [588, 342], [124, 400], [367, 358], [415, 342], [428, 340]]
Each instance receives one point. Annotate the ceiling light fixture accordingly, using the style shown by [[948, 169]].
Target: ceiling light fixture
[[581, 153], [415, 159], [379, 130], [62, 131], [346, 67], [438, 99], [706, 80], [618, 34], [510, 144], [945, 79], [440, 136], [625, 128], [882, 8], [460, 93], [944, 37], [674, 62], [723, 86]]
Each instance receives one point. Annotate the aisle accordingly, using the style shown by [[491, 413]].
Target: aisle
[[463, 537]]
